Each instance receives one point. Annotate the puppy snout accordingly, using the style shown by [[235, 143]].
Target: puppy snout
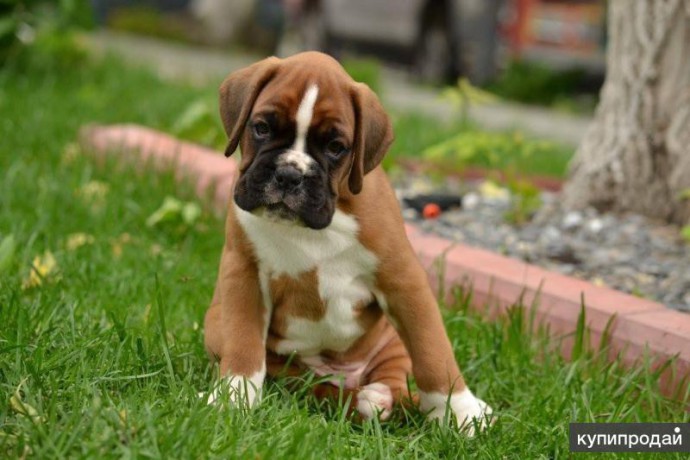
[[288, 178]]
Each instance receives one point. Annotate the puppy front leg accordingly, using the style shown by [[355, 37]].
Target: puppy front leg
[[413, 310], [235, 328]]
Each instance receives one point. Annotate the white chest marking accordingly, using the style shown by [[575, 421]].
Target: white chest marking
[[345, 271]]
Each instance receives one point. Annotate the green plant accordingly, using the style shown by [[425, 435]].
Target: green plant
[[505, 151], [684, 195], [41, 31], [509, 153], [8, 246], [365, 71], [179, 216], [537, 84], [525, 201], [199, 122], [685, 233], [146, 20], [464, 94]]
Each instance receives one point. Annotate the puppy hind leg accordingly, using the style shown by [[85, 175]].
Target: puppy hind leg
[[386, 383]]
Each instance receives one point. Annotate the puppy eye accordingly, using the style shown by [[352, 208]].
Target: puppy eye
[[261, 130], [336, 149]]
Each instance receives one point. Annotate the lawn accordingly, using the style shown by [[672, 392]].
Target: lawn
[[103, 355]]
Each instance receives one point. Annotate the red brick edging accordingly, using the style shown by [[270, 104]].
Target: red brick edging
[[638, 326]]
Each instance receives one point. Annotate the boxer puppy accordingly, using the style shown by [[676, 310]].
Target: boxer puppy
[[317, 272]]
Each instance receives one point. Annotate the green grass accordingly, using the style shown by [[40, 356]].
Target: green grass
[[454, 146], [146, 20], [108, 349], [571, 90]]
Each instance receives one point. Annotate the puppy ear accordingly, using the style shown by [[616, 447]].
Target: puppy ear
[[373, 135], [237, 96]]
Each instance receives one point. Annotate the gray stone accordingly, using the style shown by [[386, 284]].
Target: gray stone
[[471, 201], [572, 220], [561, 252], [551, 234], [595, 225], [626, 252]]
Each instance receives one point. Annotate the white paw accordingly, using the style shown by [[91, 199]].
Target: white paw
[[375, 399], [240, 391], [464, 406]]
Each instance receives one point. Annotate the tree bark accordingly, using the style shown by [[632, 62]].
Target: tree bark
[[636, 153]]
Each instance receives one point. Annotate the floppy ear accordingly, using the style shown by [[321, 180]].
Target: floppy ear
[[237, 96], [373, 135]]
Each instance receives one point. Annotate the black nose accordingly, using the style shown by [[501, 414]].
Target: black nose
[[288, 177]]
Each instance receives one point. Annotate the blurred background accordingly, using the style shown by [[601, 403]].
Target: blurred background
[[534, 51], [508, 86]]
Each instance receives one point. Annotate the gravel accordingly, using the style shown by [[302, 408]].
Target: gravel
[[627, 252]]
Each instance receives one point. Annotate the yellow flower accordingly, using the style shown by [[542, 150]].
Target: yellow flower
[[156, 249], [70, 153], [77, 240], [597, 281], [94, 193], [42, 268], [492, 191], [119, 243], [122, 415]]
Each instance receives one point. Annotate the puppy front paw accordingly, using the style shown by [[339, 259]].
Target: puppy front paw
[[238, 391], [467, 409], [375, 400]]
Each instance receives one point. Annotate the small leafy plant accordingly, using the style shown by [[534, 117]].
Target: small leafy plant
[[464, 94], [685, 230], [8, 246], [199, 122], [495, 151], [526, 200], [685, 233], [40, 32], [530, 83], [146, 20], [180, 216], [366, 71]]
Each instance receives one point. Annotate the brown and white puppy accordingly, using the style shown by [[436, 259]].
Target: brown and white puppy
[[317, 272]]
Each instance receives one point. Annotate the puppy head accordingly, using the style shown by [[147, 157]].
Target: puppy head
[[308, 134]]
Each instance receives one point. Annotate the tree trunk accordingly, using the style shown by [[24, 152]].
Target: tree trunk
[[636, 154]]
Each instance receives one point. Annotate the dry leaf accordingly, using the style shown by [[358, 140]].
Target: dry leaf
[[77, 240], [43, 268]]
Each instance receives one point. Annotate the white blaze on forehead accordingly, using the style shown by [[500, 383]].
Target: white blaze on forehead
[[297, 155], [305, 112]]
